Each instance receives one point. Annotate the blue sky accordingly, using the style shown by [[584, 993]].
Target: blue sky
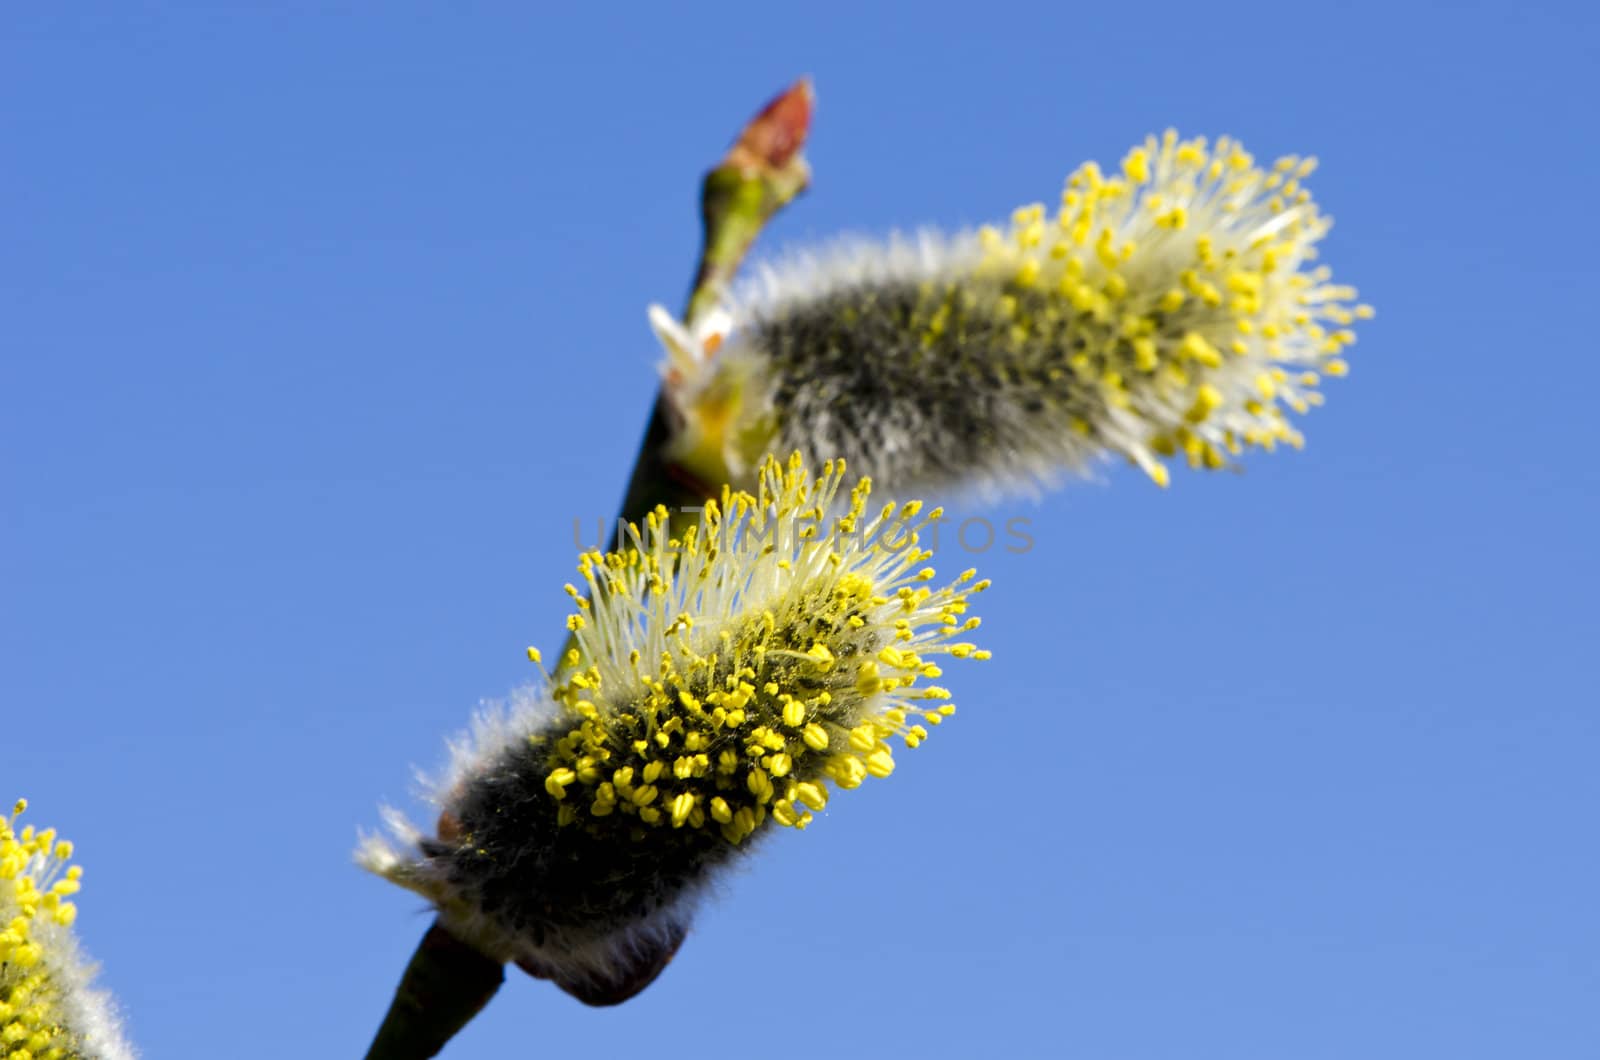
[[319, 327]]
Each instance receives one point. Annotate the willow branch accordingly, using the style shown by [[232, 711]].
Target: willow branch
[[449, 982]]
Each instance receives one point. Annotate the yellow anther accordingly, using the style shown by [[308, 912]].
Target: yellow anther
[[812, 795], [1197, 347], [822, 656], [1207, 400], [880, 763], [556, 783], [682, 806], [1136, 166]]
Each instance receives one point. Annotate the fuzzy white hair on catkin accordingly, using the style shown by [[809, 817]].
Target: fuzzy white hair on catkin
[[396, 856], [894, 443], [801, 275], [90, 1011], [495, 726]]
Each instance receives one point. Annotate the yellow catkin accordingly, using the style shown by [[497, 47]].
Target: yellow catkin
[[1170, 310], [783, 685]]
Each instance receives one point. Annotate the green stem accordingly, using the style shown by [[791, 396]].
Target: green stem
[[445, 985]]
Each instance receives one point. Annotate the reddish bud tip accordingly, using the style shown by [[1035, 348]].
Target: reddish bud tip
[[776, 135]]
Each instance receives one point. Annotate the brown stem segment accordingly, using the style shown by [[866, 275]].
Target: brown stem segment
[[445, 985], [448, 982]]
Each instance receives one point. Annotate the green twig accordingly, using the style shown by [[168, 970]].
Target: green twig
[[445, 985]]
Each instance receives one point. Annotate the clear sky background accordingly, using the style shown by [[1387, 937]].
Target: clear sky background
[[319, 327]]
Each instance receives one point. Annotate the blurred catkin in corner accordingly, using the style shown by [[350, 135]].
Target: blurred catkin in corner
[[49, 1009]]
